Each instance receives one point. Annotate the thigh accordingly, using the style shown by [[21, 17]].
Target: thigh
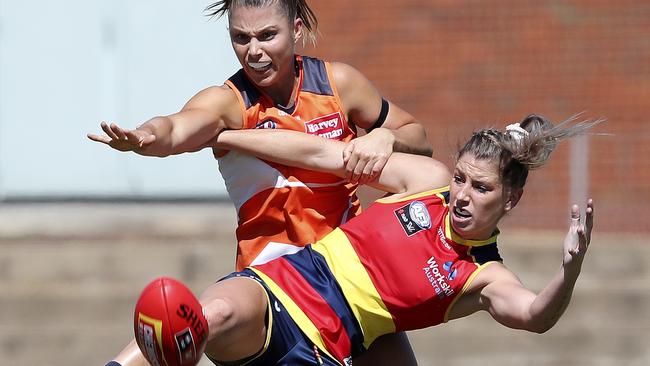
[[389, 349], [285, 344], [235, 309]]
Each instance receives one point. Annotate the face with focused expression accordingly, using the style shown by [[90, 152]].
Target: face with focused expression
[[478, 199], [264, 42]]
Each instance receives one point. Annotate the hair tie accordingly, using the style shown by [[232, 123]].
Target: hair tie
[[516, 131]]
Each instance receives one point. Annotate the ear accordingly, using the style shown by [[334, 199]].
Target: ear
[[513, 198], [297, 29]]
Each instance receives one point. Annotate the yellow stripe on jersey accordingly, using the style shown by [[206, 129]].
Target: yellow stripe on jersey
[[436, 192], [469, 281], [358, 289], [451, 235], [306, 326]]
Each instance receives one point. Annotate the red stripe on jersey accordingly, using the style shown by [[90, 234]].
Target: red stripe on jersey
[[312, 304]]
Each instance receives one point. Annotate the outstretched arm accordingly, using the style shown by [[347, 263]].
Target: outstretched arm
[[200, 120], [514, 306], [363, 106], [403, 173]]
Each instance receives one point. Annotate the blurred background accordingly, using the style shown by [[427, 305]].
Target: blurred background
[[83, 228]]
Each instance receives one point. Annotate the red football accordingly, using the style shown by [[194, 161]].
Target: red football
[[169, 324]]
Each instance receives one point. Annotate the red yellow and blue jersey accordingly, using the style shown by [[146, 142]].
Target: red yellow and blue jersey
[[281, 208], [397, 267]]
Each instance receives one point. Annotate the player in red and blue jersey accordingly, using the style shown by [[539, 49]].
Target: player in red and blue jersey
[[423, 256]]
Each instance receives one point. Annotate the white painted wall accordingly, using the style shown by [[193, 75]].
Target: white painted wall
[[67, 65]]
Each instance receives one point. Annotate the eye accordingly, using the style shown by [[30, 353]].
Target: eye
[[458, 179], [481, 188], [267, 36], [240, 38]]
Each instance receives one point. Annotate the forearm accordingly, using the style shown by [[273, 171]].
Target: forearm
[[288, 148], [552, 301], [161, 128], [411, 138]]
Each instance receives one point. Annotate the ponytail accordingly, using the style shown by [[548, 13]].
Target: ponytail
[[523, 146]]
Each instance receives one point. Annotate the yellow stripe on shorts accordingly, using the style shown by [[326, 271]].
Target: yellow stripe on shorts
[[305, 325]]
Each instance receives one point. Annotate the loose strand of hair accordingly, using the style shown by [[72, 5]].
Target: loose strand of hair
[[309, 20], [536, 149]]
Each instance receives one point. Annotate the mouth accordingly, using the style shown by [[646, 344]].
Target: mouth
[[461, 214], [259, 66]]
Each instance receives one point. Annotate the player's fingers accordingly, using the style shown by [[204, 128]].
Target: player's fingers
[[575, 216], [356, 173], [366, 174], [119, 132], [379, 166], [99, 138], [107, 129], [347, 152], [589, 220], [350, 166], [582, 239], [374, 169]]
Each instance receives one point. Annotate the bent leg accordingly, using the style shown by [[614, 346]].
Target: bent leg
[[389, 349], [236, 311]]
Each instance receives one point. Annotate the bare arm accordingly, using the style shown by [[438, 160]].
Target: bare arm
[[362, 105], [191, 129], [403, 173], [514, 306]]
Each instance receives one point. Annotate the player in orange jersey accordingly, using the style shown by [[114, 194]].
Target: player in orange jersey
[[282, 208], [434, 259]]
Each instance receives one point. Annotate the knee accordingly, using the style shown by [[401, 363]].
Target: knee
[[218, 312]]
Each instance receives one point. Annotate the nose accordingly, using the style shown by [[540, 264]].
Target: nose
[[254, 49], [461, 195]]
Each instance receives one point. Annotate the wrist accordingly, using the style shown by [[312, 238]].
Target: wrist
[[572, 269], [387, 135]]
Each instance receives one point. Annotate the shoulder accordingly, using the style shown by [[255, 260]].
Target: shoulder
[[213, 97], [345, 75], [360, 99], [493, 273], [416, 173]]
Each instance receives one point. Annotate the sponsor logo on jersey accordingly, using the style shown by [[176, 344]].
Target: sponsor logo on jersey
[[449, 267], [413, 217], [438, 280], [329, 126], [149, 334], [266, 125], [443, 239], [185, 345]]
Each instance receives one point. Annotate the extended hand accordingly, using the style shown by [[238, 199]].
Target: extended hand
[[578, 237], [122, 139], [366, 156]]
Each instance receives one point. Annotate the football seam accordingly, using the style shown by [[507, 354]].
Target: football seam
[[171, 330]]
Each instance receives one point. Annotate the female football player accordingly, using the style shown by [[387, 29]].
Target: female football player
[[421, 257], [282, 208]]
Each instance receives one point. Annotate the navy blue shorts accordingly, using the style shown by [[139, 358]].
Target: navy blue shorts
[[288, 345]]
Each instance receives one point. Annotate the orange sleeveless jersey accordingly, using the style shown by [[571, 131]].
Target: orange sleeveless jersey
[[280, 208]]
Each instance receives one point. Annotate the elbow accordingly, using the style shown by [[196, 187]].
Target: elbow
[[427, 151], [424, 147], [539, 327]]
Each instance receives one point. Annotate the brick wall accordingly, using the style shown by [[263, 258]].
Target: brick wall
[[462, 65]]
